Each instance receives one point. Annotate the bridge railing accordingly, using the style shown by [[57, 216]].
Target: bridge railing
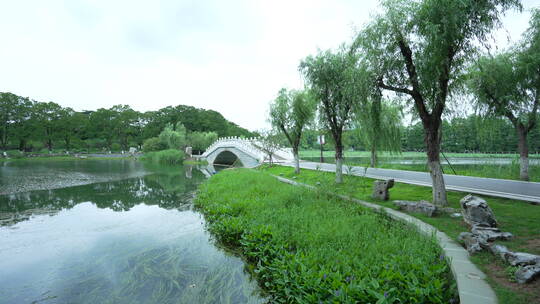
[[250, 145], [240, 143]]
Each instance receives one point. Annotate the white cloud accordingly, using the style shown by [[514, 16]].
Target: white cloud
[[230, 56]]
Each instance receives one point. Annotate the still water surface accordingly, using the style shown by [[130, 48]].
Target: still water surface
[[129, 235]]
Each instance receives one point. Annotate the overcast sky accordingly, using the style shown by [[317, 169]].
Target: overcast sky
[[229, 56]]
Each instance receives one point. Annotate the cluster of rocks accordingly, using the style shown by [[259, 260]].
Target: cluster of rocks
[[484, 232]]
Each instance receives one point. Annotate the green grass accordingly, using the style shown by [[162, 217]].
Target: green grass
[[195, 162], [306, 247], [517, 217], [410, 155], [165, 157], [491, 170]]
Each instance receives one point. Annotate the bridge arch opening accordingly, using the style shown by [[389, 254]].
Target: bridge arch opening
[[227, 158]]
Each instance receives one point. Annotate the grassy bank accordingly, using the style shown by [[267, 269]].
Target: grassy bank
[[516, 217], [165, 157], [306, 247]]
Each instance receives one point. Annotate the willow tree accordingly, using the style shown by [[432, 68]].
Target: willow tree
[[290, 113], [336, 80], [422, 47], [508, 84], [378, 123]]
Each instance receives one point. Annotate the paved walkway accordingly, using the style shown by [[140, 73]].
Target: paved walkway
[[471, 281], [518, 190]]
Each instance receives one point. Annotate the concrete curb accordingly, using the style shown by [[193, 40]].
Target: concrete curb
[[471, 283]]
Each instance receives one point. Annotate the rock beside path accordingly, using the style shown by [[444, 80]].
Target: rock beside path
[[491, 234], [522, 259], [380, 189], [476, 212], [527, 273], [423, 207], [472, 242]]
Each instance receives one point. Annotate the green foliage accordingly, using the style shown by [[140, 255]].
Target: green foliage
[[116, 147], [379, 126], [199, 141], [290, 113], [338, 82], [174, 138], [23, 120], [304, 247], [165, 157], [153, 144]]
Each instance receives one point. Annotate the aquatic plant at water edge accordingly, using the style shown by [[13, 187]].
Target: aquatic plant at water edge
[[166, 157]]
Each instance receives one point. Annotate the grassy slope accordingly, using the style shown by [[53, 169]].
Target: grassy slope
[[516, 217], [306, 247]]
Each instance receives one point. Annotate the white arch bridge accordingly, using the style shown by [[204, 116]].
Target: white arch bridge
[[246, 152]]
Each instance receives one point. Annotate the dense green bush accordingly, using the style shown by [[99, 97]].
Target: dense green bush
[[166, 157], [173, 138], [15, 154], [305, 247], [153, 144], [116, 147]]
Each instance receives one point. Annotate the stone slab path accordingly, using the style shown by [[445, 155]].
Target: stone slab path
[[518, 190]]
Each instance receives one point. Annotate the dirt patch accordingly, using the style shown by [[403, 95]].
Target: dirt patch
[[498, 274], [533, 245]]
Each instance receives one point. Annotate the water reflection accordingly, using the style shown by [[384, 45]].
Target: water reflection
[[130, 241]]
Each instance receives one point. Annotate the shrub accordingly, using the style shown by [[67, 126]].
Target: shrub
[[153, 144], [165, 157], [116, 147], [173, 139], [15, 154]]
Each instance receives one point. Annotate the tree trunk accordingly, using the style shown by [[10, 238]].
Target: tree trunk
[[296, 163], [296, 160], [523, 148], [67, 141], [22, 144], [373, 157], [4, 139], [433, 140], [339, 163]]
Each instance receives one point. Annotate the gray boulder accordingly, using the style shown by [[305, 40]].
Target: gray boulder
[[476, 212], [380, 189], [528, 273], [522, 259], [499, 250], [423, 207], [491, 234], [472, 242]]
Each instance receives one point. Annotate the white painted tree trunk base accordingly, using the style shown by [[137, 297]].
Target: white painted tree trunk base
[[524, 168], [339, 170], [439, 189]]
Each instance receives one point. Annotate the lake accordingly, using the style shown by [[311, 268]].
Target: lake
[[110, 231]]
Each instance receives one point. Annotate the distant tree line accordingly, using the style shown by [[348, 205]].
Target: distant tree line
[[33, 126], [473, 133]]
